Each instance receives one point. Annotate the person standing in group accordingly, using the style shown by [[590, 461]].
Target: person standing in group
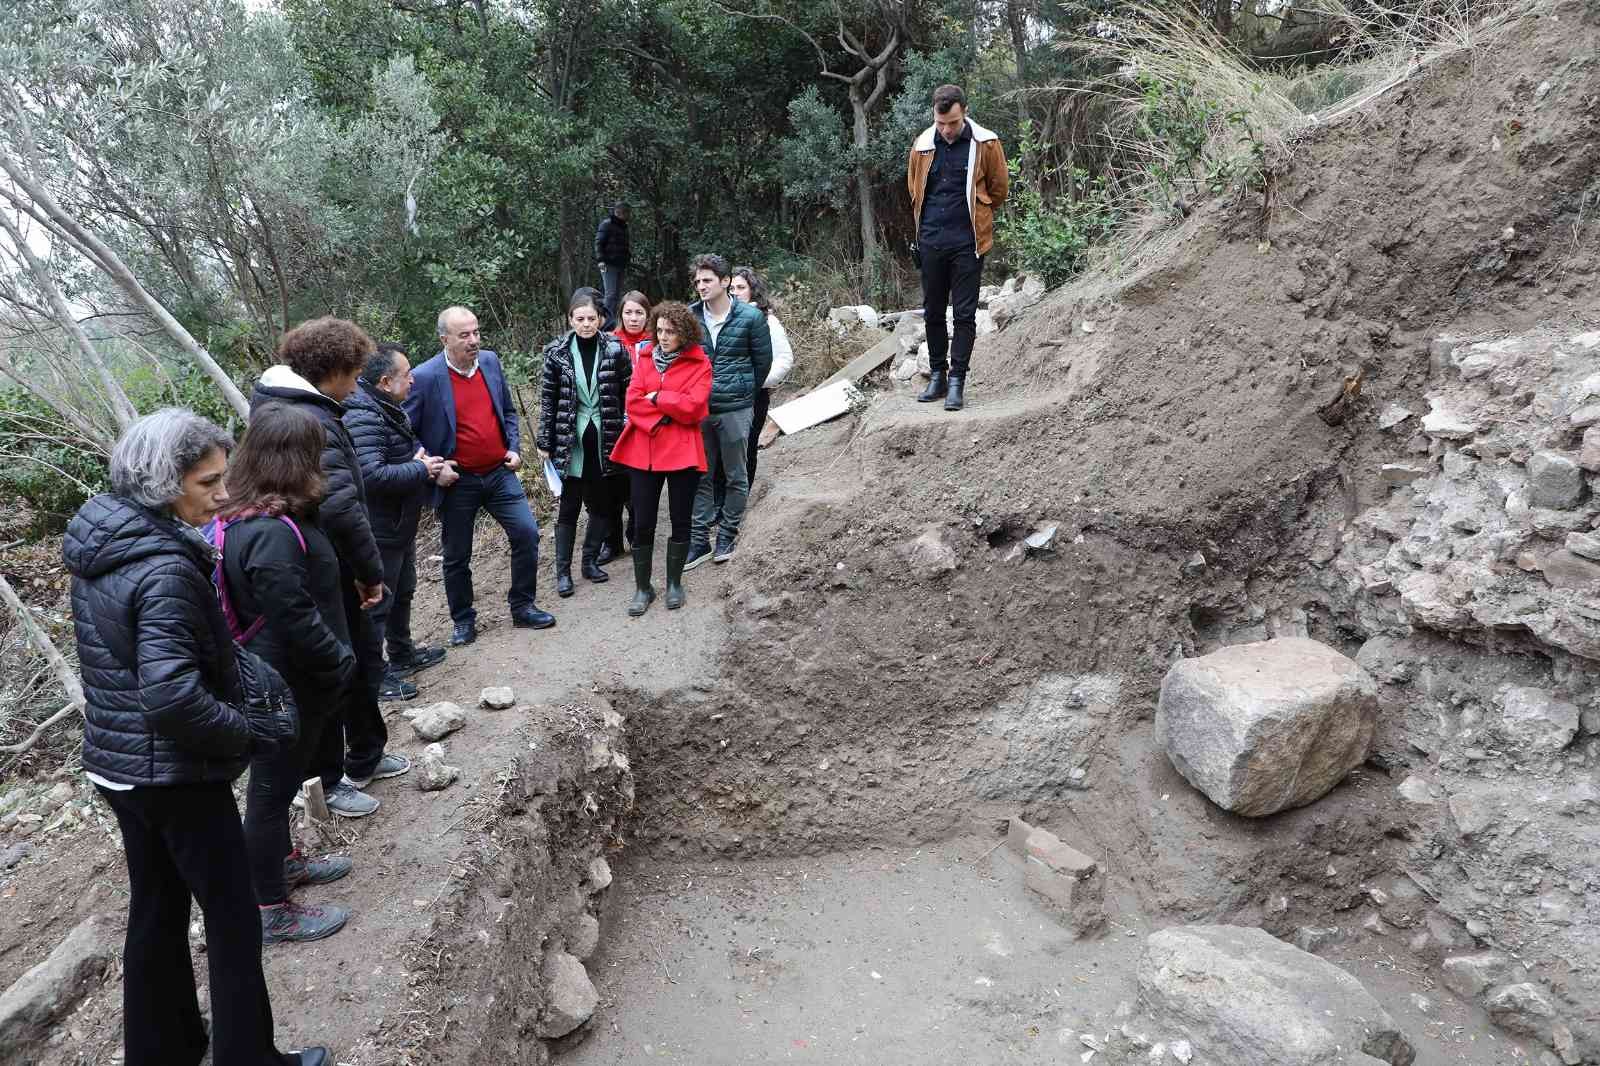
[[668, 399], [281, 593], [319, 363], [399, 475], [739, 345], [164, 738], [583, 390], [957, 178], [633, 329], [748, 286], [612, 253], [460, 408]]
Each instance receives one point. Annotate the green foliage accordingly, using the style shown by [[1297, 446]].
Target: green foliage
[[1052, 237], [818, 159], [43, 465]]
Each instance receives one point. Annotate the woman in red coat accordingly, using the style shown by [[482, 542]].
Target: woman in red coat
[[633, 326], [668, 397]]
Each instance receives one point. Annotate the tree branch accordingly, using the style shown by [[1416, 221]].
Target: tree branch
[[58, 664]]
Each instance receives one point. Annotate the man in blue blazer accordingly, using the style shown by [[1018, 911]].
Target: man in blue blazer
[[460, 408]]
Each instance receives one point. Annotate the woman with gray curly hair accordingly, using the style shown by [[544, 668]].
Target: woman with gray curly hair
[[166, 732]]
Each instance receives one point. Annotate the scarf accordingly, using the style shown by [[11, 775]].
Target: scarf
[[663, 359]]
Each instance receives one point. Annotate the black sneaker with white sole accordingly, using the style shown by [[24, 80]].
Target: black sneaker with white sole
[[698, 553]]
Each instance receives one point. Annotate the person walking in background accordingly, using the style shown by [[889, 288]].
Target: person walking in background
[[583, 389], [739, 345], [612, 252], [281, 593], [399, 475], [957, 178], [164, 737], [460, 408], [319, 363], [662, 444], [748, 286]]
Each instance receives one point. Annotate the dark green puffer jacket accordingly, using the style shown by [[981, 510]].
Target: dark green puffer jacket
[[741, 358]]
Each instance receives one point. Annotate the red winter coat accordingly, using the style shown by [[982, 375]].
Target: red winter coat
[[664, 434], [631, 341]]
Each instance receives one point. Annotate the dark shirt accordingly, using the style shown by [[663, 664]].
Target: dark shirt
[[946, 220]]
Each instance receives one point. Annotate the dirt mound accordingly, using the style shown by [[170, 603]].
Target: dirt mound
[[1200, 451]]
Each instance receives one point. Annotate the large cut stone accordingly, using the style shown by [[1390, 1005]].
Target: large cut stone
[[1263, 727], [1241, 997], [1554, 481]]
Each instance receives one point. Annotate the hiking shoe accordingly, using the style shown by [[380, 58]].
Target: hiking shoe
[[294, 923], [299, 870], [421, 657], [391, 765], [396, 688], [348, 801], [532, 618], [698, 553], [464, 633]]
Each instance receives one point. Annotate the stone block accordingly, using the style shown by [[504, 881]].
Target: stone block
[[42, 996], [497, 697], [1266, 726], [1589, 452], [1564, 570], [569, 996], [1554, 481]]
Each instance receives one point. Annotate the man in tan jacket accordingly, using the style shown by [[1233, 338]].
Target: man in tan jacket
[[957, 179]]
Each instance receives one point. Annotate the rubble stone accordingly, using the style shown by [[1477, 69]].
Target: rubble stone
[[1069, 881], [1554, 481], [1522, 1008], [497, 698], [437, 720], [1533, 720], [1245, 998], [44, 994], [930, 555], [570, 997], [432, 773], [1469, 975], [1263, 727], [582, 934]]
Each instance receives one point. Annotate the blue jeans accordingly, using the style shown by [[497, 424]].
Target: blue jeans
[[500, 493]]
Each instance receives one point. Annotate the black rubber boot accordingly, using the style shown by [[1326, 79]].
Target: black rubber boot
[[593, 539], [644, 593], [938, 385], [954, 399], [565, 535], [677, 553]]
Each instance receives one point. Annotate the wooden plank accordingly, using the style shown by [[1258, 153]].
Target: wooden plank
[[865, 363], [816, 406]]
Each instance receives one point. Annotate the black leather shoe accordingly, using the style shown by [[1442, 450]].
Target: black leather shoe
[[314, 1056], [421, 657], [565, 536], [533, 618], [464, 633], [954, 399], [938, 384]]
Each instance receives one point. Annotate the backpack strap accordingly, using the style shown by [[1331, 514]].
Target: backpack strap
[[217, 531]]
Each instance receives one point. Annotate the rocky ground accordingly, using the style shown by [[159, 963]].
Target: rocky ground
[[1356, 412]]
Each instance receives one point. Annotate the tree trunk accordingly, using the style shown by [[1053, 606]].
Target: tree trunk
[[1222, 17], [118, 271], [1017, 19], [869, 221]]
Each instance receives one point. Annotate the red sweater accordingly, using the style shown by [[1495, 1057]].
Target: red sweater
[[664, 434], [480, 443]]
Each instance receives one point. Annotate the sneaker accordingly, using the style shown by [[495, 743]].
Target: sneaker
[[391, 765], [723, 553], [299, 870], [293, 923], [348, 801], [698, 553], [396, 688], [532, 618], [464, 633], [421, 657]]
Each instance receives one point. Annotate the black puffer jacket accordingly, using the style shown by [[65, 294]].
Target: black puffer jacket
[[305, 636], [611, 242], [344, 501], [385, 447], [558, 400], [154, 650]]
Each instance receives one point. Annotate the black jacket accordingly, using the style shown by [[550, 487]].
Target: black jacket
[[386, 448], [558, 400], [344, 500], [305, 636], [611, 242], [159, 676]]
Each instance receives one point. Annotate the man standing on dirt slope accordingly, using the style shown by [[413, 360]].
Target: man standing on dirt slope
[[460, 408], [739, 343], [398, 475], [956, 175]]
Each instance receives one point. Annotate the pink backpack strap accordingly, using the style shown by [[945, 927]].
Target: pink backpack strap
[[219, 531]]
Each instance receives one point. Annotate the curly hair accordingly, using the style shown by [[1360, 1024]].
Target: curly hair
[[681, 318], [325, 348], [758, 288], [277, 468]]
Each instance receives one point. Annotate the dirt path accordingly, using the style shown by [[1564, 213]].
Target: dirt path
[[338, 991], [885, 957]]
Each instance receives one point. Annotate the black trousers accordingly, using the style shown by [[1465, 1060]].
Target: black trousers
[[392, 617], [273, 784], [645, 486], [354, 743], [599, 494], [185, 840], [950, 278]]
